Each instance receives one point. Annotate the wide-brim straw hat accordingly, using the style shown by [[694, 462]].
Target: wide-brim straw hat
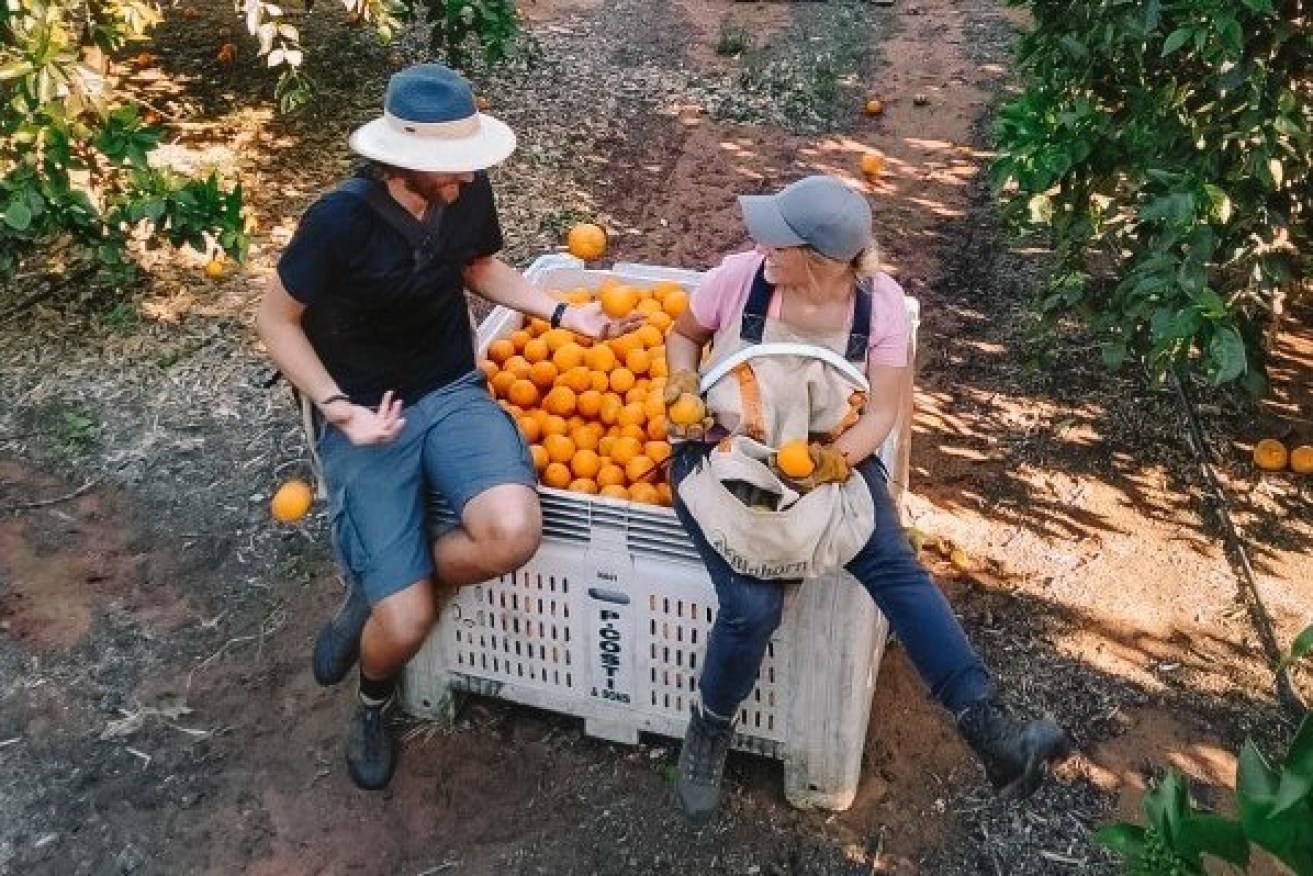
[[430, 123]]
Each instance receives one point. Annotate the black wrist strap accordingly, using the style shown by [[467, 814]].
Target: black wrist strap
[[558, 314], [337, 396]]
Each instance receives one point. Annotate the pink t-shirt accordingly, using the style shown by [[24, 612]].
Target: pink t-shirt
[[723, 294]]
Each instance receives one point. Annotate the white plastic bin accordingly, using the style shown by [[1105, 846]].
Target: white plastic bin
[[609, 620]]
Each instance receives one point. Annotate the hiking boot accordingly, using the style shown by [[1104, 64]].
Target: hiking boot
[[337, 647], [701, 766], [371, 752], [1015, 755]]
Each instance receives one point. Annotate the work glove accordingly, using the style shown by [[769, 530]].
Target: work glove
[[829, 466], [682, 398]]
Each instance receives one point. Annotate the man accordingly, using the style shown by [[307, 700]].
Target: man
[[367, 317]]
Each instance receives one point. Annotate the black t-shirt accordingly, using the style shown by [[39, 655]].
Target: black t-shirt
[[375, 321]]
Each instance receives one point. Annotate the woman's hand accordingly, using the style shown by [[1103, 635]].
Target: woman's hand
[[590, 321], [679, 385], [363, 426]]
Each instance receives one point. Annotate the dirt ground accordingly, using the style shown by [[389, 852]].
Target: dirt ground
[[156, 710]]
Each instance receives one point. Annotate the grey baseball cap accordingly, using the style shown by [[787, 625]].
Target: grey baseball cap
[[818, 211]]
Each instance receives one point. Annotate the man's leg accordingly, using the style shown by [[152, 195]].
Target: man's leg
[[500, 530], [1014, 754]]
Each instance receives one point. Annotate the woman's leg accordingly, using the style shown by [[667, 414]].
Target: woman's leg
[[915, 607], [1015, 755], [749, 612]]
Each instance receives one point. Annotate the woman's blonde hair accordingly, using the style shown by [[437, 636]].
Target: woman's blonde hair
[[864, 265]]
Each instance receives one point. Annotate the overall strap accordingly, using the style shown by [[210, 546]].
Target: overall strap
[[859, 337], [753, 324], [422, 236]]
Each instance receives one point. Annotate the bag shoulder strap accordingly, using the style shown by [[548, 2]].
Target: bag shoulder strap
[[421, 235], [752, 325]]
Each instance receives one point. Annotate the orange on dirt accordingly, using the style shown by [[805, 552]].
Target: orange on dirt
[[585, 463], [872, 164], [794, 459], [624, 450], [540, 457], [600, 358], [614, 491], [291, 501], [583, 485], [523, 393], [644, 493], [227, 53], [1270, 455], [589, 403], [560, 448], [560, 401], [586, 241], [501, 349], [617, 301], [687, 410], [621, 380], [214, 268], [1301, 459], [536, 350], [874, 107], [556, 474], [543, 374], [568, 356], [675, 303]]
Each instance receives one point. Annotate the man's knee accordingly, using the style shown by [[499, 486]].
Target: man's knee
[[507, 532], [756, 616]]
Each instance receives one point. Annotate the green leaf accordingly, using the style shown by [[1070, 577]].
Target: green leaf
[[1302, 645], [18, 215], [1262, 7], [1208, 834], [1227, 352], [1176, 39], [1255, 779], [1297, 773], [1125, 839]]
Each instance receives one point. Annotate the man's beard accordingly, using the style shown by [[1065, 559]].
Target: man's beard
[[431, 192]]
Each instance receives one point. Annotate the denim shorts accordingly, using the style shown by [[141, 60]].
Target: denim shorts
[[456, 441]]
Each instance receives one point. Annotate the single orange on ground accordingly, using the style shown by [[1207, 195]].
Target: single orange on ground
[[874, 107], [586, 241], [794, 459], [1301, 459], [291, 501], [1270, 455], [618, 301], [214, 269], [872, 164]]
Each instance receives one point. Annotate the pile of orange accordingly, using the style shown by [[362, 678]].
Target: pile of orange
[[592, 411]]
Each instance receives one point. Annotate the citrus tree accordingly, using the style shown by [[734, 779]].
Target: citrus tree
[[1165, 147], [78, 193]]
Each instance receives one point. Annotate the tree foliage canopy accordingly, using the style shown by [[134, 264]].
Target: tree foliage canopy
[[1167, 148]]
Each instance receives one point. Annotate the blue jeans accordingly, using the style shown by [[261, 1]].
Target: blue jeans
[[902, 589]]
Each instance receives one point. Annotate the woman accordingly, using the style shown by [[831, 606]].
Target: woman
[[812, 277]]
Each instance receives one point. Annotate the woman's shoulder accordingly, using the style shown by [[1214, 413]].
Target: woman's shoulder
[[740, 263], [886, 287]]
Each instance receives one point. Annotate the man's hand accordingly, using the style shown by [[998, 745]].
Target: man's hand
[[829, 466], [363, 426], [682, 389], [590, 321]]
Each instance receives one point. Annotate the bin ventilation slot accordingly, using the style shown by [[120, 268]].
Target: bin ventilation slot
[[517, 629]]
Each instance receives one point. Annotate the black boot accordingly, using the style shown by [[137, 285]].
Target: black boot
[[371, 752], [1015, 755], [337, 647], [701, 766]]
